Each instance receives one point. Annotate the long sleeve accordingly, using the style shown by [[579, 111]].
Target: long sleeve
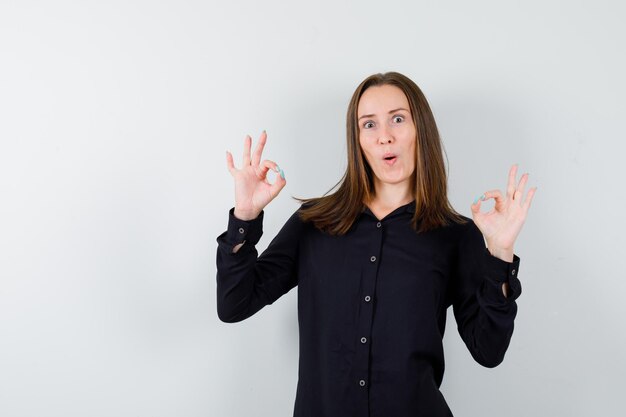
[[247, 282], [484, 315]]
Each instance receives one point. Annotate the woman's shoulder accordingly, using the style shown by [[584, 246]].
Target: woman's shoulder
[[296, 216], [460, 226], [455, 221]]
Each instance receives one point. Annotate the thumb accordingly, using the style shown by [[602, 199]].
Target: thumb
[[475, 207], [279, 182]]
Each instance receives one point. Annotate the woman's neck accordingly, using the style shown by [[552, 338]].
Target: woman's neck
[[391, 196]]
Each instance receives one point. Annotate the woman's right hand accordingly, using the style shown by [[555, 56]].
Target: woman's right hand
[[252, 190]]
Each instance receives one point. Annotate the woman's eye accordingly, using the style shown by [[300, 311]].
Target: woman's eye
[[366, 125], [398, 117]]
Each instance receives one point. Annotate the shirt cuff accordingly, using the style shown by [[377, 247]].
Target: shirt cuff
[[499, 272], [240, 231]]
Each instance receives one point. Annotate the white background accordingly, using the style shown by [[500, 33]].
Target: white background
[[114, 121]]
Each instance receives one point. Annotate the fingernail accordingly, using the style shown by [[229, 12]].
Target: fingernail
[[476, 200], [277, 169], [282, 174], [482, 197], [264, 131]]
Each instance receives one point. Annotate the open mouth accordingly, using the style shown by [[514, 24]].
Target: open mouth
[[389, 160]]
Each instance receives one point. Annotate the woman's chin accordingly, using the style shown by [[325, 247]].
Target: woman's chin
[[393, 179]]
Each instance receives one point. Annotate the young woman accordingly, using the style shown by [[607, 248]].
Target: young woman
[[377, 263]]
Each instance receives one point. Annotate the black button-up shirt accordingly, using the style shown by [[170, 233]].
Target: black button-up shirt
[[372, 306]]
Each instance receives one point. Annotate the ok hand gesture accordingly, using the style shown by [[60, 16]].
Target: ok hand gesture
[[502, 224], [252, 190]]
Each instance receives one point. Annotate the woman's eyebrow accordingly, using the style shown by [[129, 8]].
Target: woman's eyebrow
[[390, 111]]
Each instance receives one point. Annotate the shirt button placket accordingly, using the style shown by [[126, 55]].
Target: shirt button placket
[[366, 316]]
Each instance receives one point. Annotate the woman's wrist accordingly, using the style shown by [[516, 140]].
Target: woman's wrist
[[245, 216], [501, 253]]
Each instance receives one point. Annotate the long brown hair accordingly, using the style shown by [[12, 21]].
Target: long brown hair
[[336, 213]]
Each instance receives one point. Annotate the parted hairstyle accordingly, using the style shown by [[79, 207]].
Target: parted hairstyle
[[336, 213]]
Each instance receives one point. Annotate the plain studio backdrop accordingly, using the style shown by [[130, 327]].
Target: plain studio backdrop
[[114, 122]]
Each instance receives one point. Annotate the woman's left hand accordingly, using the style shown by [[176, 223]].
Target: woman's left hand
[[502, 224]]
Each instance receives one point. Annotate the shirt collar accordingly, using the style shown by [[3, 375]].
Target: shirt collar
[[408, 208]]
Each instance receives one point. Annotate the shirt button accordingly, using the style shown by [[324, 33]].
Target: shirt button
[[378, 224], [513, 272], [373, 259], [362, 382], [363, 340], [241, 230], [367, 298]]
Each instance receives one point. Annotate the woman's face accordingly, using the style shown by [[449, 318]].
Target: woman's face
[[386, 129]]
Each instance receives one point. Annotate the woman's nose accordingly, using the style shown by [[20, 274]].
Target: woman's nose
[[385, 135], [385, 138]]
